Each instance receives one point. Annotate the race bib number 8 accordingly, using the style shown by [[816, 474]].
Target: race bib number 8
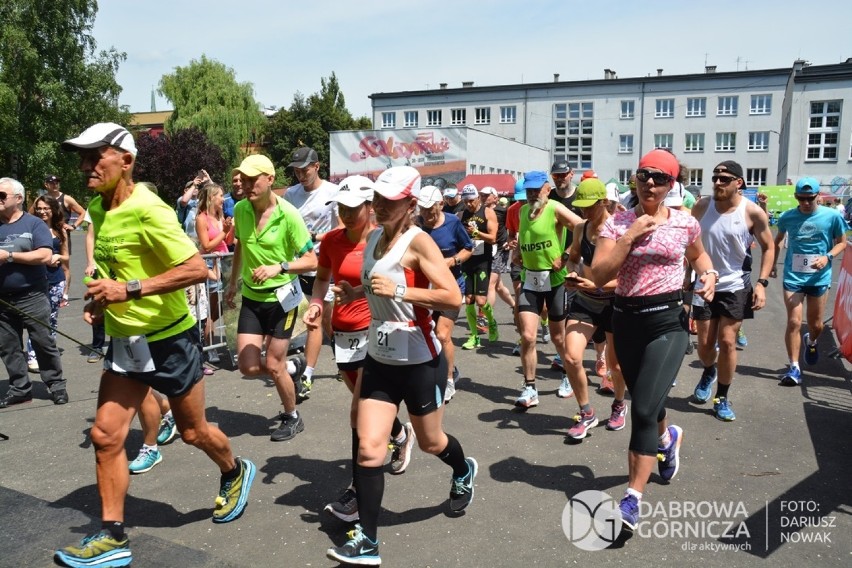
[[803, 263]]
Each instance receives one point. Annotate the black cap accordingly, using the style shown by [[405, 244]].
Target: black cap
[[560, 167], [303, 157], [51, 179], [729, 167]]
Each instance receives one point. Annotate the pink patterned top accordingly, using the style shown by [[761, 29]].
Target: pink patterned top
[[655, 262]]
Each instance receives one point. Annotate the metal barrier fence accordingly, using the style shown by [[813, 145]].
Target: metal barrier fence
[[207, 303]]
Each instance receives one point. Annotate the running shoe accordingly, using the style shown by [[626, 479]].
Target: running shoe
[[565, 390], [346, 507], [670, 457], [168, 430], [545, 333], [401, 453], [629, 507], [722, 409], [288, 429], [450, 391], [481, 323], [32, 365], [461, 490], [493, 331], [811, 352], [556, 364], [95, 355], [529, 396], [582, 423], [618, 416], [358, 550], [742, 340], [304, 386], [471, 343], [233, 493], [99, 549], [145, 461], [600, 366], [792, 377], [704, 388], [607, 386], [516, 350]]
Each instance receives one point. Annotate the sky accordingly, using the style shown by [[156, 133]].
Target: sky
[[283, 47]]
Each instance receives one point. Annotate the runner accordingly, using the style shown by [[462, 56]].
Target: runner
[[272, 247], [404, 277], [153, 338], [644, 248]]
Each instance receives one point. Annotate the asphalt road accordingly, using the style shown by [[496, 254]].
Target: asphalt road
[[744, 491]]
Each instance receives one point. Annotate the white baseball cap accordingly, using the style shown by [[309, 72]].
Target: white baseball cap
[[674, 198], [612, 192], [398, 182], [429, 196], [488, 190], [353, 191], [102, 134]]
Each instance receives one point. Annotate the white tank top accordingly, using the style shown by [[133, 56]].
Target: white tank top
[[400, 333], [726, 239]]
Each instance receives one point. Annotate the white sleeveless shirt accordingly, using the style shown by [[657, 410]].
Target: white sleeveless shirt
[[727, 240], [400, 333]]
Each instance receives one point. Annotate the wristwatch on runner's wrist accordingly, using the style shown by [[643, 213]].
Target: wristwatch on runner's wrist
[[763, 282]]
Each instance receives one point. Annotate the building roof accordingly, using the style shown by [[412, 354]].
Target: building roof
[[148, 119]]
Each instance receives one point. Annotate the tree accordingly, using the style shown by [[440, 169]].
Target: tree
[[53, 85], [206, 95], [171, 160], [308, 122]]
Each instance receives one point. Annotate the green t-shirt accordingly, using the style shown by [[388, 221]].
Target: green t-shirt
[[541, 242], [283, 238], [139, 239]]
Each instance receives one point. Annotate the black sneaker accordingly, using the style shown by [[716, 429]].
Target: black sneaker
[[60, 397], [289, 428], [12, 399], [461, 491], [358, 550], [346, 507]]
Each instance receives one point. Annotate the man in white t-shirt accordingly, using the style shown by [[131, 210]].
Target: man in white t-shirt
[[312, 197]]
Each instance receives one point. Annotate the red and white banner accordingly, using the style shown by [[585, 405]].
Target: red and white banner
[[842, 323]]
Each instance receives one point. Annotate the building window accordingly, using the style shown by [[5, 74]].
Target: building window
[[388, 120], [433, 118], [726, 141], [823, 130], [625, 144], [727, 106], [696, 106], [573, 129], [695, 177], [755, 177], [760, 104], [694, 142], [410, 118], [758, 141], [628, 110], [665, 141], [624, 176], [458, 116], [482, 115], [508, 115], [665, 108]]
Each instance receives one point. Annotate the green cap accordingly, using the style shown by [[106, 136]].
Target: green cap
[[589, 192]]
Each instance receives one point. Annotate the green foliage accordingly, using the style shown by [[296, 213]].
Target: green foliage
[[206, 95], [307, 123], [53, 85]]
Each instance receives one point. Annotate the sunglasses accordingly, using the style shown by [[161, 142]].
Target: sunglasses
[[659, 178], [724, 180], [806, 197]]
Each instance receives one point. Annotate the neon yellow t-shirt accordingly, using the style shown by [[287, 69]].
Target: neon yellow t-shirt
[[283, 238], [541, 242], [139, 239]]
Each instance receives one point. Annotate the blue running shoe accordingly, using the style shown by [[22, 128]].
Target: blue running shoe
[[358, 550], [145, 461], [792, 378], [722, 409], [556, 365], [811, 353], [629, 507], [742, 340], [670, 457], [233, 493], [99, 549], [705, 385], [167, 431]]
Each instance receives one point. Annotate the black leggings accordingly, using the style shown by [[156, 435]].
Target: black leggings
[[650, 348]]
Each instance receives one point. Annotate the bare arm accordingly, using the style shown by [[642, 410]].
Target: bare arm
[[191, 271], [565, 217], [38, 256], [490, 236], [207, 244], [72, 205]]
